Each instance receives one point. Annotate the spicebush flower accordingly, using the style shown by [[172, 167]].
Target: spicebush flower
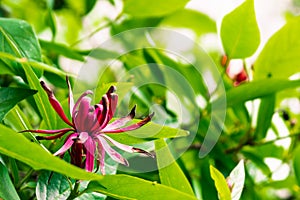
[[88, 140]]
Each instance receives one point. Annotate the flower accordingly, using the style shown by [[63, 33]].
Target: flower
[[88, 139], [236, 72]]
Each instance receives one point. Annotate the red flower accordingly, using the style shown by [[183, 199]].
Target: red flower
[[89, 128]]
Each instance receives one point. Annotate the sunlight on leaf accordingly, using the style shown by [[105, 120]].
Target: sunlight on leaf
[[220, 183], [239, 31]]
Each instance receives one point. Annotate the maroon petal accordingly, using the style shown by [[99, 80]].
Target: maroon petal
[[67, 145], [122, 121], [48, 131], [127, 148], [112, 153], [113, 101], [131, 127], [52, 137], [79, 100], [101, 157], [83, 110], [90, 154], [104, 116], [55, 104]]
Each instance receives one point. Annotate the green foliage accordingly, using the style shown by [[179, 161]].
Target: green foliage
[[7, 189], [186, 88], [239, 31], [169, 171], [9, 97], [220, 183], [280, 55], [128, 187], [147, 8]]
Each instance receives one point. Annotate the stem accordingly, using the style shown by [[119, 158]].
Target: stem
[[260, 143], [26, 177], [91, 34], [75, 192]]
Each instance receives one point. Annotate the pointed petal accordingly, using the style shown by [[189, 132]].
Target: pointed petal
[[69, 142], [127, 148], [121, 146], [112, 153], [113, 101], [71, 98], [48, 131], [79, 100], [122, 121], [138, 150], [103, 118], [83, 110], [90, 147], [101, 158], [52, 137], [55, 104], [131, 127]]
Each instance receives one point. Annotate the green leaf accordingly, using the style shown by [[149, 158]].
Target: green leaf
[[148, 132], [61, 50], [128, 187], [52, 186], [9, 97], [280, 56], [186, 18], [36, 157], [237, 179], [151, 8], [239, 31], [256, 89], [23, 37], [41, 98], [265, 113], [170, 173], [7, 189], [220, 183]]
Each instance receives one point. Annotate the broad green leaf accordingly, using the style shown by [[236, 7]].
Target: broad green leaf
[[23, 37], [239, 31], [296, 164], [237, 179], [280, 56], [36, 157], [116, 186], [220, 183], [52, 186], [151, 8], [169, 171], [264, 118], [41, 98], [186, 18], [257, 89], [9, 97], [148, 132], [61, 50], [128, 187], [7, 189]]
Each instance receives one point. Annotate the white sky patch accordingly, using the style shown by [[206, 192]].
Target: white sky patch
[[280, 171]]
